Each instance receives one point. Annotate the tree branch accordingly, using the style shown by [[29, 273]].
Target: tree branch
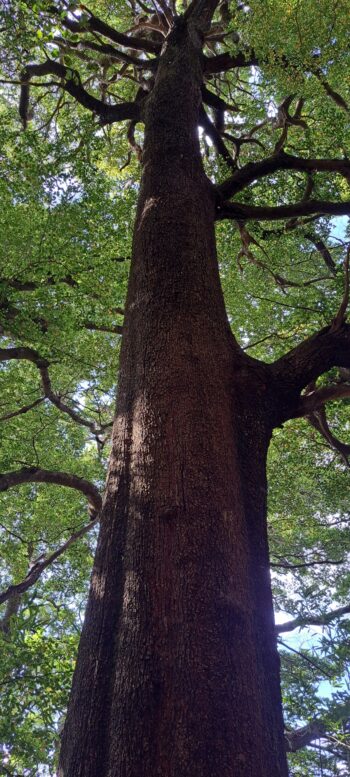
[[29, 286], [12, 608], [216, 138], [16, 283], [241, 212], [223, 62], [30, 354], [115, 329], [306, 658], [55, 477], [110, 51], [313, 620], [201, 13], [319, 243], [70, 81], [12, 593], [22, 410], [318, 419], [92, 23], [315, 399], [301, 737], [310, 359], [335, 96], [280, 161], [216, 102], [22, 352], [340, 318], [305, 564]]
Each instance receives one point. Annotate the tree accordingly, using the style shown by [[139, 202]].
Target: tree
[[180, 621]]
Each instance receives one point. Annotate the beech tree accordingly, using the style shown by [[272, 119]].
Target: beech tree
[[238, 122]]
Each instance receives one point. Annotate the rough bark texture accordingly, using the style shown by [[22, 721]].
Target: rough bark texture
[[178, 674]]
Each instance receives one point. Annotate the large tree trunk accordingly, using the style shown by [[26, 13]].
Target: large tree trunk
[[178, 674]]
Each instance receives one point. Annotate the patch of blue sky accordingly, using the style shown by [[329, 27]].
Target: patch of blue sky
[[339, 228], [308, 639]]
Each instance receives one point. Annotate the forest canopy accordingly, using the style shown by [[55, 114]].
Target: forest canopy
[[69, 182]]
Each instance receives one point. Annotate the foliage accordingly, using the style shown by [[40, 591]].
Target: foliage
[[68, 195]]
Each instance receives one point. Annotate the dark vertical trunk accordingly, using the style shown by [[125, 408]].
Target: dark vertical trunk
[[177, 674]]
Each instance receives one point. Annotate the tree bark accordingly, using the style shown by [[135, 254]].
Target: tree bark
[[178, 673]]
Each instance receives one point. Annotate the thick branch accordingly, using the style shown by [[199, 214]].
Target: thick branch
[[106, 49], [216, 138], [313, 620], [317, 398], [319, 243], [301, 737], [37, 475], [335, 96], [71, 83], [310, 359], [201, 13], [223, 62], [280, 161], [12, 593], [215, 101], [12, 608], [240, 212], [22, 352], [318, 419], [93, 24]]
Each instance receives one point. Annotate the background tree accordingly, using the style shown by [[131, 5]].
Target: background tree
[[64, 271]]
